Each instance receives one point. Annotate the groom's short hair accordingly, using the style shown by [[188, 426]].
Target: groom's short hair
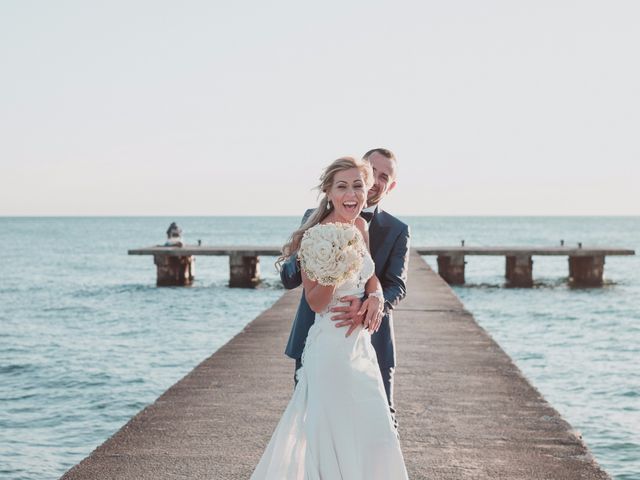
[[382, 151]]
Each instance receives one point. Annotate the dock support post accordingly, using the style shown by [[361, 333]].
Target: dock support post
[[519, 271], [174, 271], [244, 271], [451, 268], [586, 271]]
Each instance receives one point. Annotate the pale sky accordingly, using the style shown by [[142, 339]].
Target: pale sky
[[233, 108]]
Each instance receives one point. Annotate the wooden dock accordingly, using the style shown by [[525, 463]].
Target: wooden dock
[[175, 265], [465, 410]]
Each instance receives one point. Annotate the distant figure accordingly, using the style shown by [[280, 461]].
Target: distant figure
[[174, 236]]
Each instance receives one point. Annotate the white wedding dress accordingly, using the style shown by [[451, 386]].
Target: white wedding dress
[[337, 425]]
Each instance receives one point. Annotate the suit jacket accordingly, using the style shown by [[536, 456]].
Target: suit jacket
[[389, 243]]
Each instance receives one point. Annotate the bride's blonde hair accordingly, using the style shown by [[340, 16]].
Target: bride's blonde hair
[[325, 207]]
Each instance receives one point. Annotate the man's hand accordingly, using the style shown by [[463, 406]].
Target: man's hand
[[372, 310], [348, 315]]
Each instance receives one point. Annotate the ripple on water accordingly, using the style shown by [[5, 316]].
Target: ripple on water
[[16, 369]]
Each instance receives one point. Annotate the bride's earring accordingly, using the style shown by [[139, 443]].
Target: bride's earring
[[328, 204]]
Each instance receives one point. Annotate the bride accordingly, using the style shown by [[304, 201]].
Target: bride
[[337, 424]]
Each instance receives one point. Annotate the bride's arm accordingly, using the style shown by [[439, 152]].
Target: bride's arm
[[318, 296]]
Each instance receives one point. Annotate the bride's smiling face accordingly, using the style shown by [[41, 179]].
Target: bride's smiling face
[[347, 194]]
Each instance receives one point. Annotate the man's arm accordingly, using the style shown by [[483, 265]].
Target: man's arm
[[290, 271], [394, 281]]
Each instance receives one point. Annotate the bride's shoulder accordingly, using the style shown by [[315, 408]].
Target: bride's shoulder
[[362, 225]]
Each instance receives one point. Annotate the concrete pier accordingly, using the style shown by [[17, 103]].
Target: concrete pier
[[465, 410], [244, 270], [175, 264], [451, 268], [586, 271], [586, 265], [174, 271], [519, 271]]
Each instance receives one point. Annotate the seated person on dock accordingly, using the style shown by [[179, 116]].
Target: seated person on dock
[[174, 236]]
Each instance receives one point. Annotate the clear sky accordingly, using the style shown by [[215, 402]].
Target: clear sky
[[222, 108]]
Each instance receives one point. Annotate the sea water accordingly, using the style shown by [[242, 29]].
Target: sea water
[[87, 340]]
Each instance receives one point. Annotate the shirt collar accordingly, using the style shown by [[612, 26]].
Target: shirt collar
[[371, 209]]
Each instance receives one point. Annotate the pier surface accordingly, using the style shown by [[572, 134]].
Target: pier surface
[[465, 410]]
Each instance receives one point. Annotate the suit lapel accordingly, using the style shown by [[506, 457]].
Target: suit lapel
[[377, 234]]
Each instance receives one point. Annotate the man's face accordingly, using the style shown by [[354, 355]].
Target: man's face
[[384, 178]]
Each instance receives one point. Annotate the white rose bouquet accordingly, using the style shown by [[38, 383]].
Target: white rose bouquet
[[331, 253]]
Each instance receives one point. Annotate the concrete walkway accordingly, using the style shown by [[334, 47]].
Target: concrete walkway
[[465, 410]]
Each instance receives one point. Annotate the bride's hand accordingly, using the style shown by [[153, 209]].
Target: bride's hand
[[373, 306]]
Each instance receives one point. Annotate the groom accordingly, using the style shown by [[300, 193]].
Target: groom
[[389, 241]]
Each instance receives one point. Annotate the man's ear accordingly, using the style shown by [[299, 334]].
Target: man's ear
[[392, 186]]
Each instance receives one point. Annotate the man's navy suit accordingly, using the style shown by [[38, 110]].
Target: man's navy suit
[[389, 244]]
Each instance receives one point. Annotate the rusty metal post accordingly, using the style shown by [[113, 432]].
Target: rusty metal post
[[451, 268], [174, 271], [519, 271], [244, 271], [586, 271]]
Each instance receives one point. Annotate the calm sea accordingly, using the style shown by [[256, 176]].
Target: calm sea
[[87, 340]]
